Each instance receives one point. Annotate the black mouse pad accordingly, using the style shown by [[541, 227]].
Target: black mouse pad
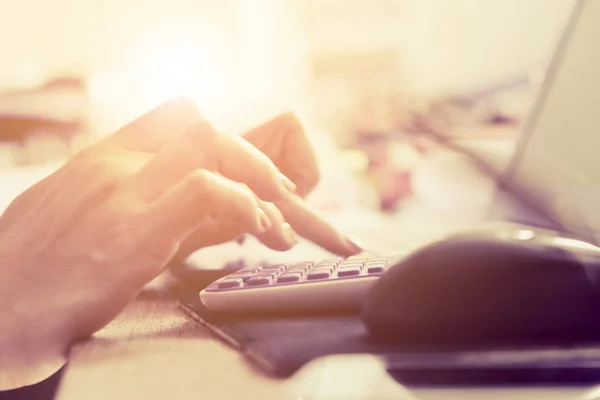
[[280, 345]]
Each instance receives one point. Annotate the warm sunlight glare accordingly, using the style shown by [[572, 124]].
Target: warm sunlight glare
[[184, 59], [172, 60], [183, 69]]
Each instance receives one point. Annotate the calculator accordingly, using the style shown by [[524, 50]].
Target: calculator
[[334, 284]]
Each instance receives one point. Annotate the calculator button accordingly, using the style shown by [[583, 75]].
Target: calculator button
[[296, 270], [381, 264], [349, 272], [303, 265], [274, 268], [319, 275], [285, 278], [259, 281], [245, 278], [376, 269], [353, 264], [359, 257], [269, 274], [228, 284], [247, 271], [324, 268], [383, 261], [329, 263]]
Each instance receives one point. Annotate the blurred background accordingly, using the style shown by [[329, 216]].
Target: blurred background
[[375, 82]]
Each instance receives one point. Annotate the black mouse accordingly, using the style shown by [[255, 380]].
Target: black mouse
[[487, 289]]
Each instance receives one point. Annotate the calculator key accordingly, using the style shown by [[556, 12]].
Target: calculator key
[[353, 264], [228, 284], [376, 269], [319, 275], [275, 268], [259, 281], [300, 266], [324, 268], [246, 271], [296, 270], [378, 261], [359, 257], [305, 265], [330, 263], [383, 265], [247, 277], [267, 273], [244, 277], [239, 275], [349, 272], [285, 278]]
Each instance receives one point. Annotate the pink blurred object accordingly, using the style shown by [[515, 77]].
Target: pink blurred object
[[392, 186]]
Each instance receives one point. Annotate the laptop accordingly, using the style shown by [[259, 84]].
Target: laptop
[[551, 179]]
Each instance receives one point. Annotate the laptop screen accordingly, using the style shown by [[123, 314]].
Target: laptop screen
[[557, 165]]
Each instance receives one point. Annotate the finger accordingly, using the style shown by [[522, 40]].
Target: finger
[[313, 227], [281, 236], [284, 140], [201, 147], [241, 161], [179, 212], [154, 129]]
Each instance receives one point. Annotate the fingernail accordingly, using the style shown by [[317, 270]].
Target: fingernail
[[354, 245], [287, 183], [290, 235], [265, 222]]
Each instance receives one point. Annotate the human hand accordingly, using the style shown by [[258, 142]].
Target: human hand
[[284, 141], [78, 246]]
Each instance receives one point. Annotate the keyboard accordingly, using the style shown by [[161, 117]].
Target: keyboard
[[332, 284]]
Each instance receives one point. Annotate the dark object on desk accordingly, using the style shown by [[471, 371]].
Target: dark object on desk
[[504, 288], [550, 300], [281, 345]]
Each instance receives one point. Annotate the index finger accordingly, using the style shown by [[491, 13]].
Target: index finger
[[310, 225], [284, 140], [202, 147]]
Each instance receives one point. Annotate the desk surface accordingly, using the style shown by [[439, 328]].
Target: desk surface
[[153, 350]]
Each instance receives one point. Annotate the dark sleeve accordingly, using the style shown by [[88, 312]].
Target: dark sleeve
[[45, 390]]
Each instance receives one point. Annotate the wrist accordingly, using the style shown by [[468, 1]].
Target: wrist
[[22, 365], [26, 357]]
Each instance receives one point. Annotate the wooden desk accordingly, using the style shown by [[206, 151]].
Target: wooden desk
[[154, 350]]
